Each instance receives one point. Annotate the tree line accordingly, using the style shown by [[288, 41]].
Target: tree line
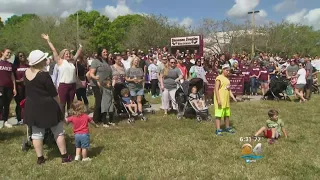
[[92, 29], [22, 33]]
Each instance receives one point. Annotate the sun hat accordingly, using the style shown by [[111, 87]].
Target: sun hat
[[36, 56], [225, 66]]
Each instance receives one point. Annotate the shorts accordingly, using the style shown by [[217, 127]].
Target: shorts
[[82, 141], [268, 134], [309, 84], [38, 133], [221, 113], [300, 86], [263, 81], [137, 92]]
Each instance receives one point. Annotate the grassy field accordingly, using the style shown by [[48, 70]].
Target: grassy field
[[167, 148]]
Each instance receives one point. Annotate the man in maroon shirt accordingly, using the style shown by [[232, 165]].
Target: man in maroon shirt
[[254, 75], [245, 73], [264, 78], [7, 86]]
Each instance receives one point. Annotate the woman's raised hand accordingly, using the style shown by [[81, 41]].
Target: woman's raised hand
[[45, 36]]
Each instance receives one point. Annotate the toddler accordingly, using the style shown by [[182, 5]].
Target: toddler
[[107, 103], [80, 122], [315, 80], [293, 79], [274, 127], [196, 100], [128, 102]]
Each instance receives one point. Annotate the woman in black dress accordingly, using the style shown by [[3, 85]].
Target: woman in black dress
[[42, 106]]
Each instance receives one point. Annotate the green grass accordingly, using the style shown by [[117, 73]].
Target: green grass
[[166, 148]]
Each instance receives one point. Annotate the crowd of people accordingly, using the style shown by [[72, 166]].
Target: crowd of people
[[47, 85]]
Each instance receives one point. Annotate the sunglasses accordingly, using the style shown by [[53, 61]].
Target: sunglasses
[[173, 62]]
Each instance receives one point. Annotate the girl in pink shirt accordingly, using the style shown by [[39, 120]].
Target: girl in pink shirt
[[80, 122]]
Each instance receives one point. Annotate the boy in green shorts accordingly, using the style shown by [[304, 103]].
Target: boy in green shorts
[[222, 95]]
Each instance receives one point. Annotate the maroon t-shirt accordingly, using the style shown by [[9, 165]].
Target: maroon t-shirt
[[19, 73], [264, 74], [246, 74], [254, 71], [5, 74]]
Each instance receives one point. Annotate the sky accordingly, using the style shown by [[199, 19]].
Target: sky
[[184, 12]]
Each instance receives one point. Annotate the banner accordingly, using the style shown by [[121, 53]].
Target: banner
[[185, 41], [236, 84]]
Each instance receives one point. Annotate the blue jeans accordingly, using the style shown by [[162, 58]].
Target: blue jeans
[[254, 85], [82, 141]]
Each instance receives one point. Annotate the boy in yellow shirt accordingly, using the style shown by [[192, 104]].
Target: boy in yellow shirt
[[222, 95]]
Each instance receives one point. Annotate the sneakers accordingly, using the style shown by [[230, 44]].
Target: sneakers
[[7, 124], [230, 130], [41, 160], [105, 125], [112, 124], [153, 96], [134, 114], [66, 159], [77, 158], [86, 159], [219, 132]]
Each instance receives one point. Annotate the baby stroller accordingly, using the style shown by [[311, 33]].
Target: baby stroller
[[277, 88], [184, 100], [26, 143], [121, 109]]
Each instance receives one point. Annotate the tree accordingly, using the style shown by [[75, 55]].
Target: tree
[[25, 36], [86, 19], [14, 20], [101, 37], [121, 26], [1, 23], [222, 35], [153, 30]]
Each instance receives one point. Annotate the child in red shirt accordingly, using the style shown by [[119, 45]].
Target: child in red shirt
[[80, 122]]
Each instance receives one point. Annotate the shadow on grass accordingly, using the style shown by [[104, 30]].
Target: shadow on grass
[[54, 150], [7, 136]]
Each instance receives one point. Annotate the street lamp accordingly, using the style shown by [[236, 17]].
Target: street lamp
[[253, 31]]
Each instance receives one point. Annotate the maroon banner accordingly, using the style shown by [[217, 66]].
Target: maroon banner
[[236, 84]]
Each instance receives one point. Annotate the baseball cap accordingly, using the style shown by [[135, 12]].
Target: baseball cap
[[225, 66]]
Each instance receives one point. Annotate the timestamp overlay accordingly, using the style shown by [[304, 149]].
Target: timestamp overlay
[[249, 139]]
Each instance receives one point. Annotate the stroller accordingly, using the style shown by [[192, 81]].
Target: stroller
[[277, 88], [26, 143], [184, 100], [122, 111]]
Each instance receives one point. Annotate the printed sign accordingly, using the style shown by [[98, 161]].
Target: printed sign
[[185, 41], [236, 84]]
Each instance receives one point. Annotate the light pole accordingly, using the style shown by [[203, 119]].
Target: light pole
[[253, 31], [78, 28]]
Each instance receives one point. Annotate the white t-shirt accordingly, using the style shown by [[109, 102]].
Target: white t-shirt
[[301, 76], [67, 72], [126, 63], [90, 61]]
